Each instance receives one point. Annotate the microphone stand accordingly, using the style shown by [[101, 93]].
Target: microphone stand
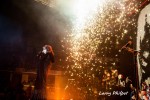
[[136, 72]]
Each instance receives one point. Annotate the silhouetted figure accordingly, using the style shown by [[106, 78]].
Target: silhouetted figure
[[44, 60]]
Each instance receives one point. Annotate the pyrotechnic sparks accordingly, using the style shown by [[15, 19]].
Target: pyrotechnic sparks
[[96, 37], [88, 33]]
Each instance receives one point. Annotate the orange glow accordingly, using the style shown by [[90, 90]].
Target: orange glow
[[56, 91]]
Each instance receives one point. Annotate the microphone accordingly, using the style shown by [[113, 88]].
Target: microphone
[[126, 45]]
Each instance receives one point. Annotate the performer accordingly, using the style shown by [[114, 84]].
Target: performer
[[44, 60]]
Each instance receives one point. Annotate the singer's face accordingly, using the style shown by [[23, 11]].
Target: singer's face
[[44, 48]]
